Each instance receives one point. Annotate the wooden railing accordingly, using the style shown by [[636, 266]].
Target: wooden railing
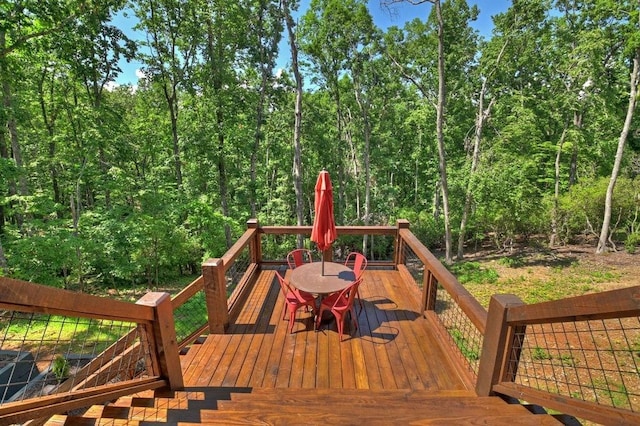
[[43, 322], [580, 355], [502, 350], [457, 317]]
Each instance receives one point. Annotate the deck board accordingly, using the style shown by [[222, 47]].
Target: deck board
[[393, 347]]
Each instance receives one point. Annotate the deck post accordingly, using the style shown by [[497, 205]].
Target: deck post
[[497, 344], [215, 291], [166, 348], [255, 248], [399, 250]]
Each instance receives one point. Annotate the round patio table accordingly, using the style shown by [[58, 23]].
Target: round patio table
[[309, 277]]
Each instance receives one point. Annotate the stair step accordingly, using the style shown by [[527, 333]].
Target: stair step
[[444, 407], [62, 420], [342, 394], [275, 416]]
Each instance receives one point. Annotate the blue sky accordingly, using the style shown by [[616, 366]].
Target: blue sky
[[396, 14]]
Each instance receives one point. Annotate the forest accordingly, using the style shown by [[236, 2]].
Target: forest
[[530, 131]]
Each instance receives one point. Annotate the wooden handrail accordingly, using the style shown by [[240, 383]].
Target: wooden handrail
[[620, 303], [341, 230], [28, 297], [469, 305]]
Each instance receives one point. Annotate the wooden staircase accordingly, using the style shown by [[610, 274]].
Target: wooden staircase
[[287, 406]]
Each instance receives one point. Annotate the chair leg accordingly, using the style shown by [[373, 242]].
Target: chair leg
[[292, 319]]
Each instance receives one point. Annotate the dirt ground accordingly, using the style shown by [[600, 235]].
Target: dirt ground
[[541, 262]]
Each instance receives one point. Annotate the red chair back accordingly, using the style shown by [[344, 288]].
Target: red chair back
[[299, 257], [359, 263]]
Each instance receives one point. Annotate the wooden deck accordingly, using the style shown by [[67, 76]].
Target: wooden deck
[[393, 347]]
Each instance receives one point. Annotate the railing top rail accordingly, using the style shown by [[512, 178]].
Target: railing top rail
[[28, 297], [342, 230], [474, 310], [235, 250], [619, 303]]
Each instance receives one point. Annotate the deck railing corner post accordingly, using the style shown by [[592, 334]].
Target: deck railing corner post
[[399, 250], [215, 290], [497, 343], [165, 350], [255, 248]]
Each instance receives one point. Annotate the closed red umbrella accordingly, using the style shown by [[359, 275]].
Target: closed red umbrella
[[324, 225]]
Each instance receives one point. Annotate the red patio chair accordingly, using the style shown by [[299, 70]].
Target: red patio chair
[[299, 257], [359, 262], [294, 299], [340, 305]]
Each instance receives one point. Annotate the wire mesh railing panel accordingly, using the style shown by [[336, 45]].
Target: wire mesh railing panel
[[190, 316], [374, 247], [461, 330], [47, 354], [414, 265], [463, 333], [237, 269], [596, 360], [275, 247]]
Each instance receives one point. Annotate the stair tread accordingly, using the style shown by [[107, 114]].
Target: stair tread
[[447, 407], [277, 417]]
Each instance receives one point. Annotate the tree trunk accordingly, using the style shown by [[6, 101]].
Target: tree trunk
[[440, 119], [556, 193], [475, 159], [297, 127], [633, 92], [364, 109]]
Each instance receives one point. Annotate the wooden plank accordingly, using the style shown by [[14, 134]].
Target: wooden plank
[[24, 296], [265, 297], [310, 360], [368, 338], [389, 359]]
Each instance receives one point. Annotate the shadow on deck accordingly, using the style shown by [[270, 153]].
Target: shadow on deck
[[393, 347]]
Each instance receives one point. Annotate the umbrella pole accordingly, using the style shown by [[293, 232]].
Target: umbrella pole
[[322, 264]]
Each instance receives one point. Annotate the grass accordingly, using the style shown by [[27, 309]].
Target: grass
[[531, 284]]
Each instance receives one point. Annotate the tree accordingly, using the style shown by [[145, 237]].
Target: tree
[[297, 125], [631, 49]]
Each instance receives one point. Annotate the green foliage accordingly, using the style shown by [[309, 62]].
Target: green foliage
[[632, 242], [60, 367], [473, 272], [463, 344], [582, 206], [540, 354]]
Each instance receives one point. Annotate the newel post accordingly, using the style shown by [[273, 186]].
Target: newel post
[[255, 248], [399, 250], [166, 349], [215, 294], [498, 343]]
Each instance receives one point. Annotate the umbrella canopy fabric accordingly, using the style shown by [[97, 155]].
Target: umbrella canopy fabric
[[324, 226]]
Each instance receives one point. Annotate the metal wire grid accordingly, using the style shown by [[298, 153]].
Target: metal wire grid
[[380, 247], [236, 271], [596, 360], [43, 354], [190, 316], [461, 330]]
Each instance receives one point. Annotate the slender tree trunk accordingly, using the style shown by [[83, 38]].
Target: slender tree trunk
[[475, 159], [440, 119], [633, 92], [556, 193], [3, 259], [297, 126], [573, 167], [215, 51], [366, 124]]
